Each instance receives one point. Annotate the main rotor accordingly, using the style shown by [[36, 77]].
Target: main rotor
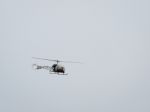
[[57, 61]]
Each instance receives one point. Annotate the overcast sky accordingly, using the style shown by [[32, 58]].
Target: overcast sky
[[111, 38]]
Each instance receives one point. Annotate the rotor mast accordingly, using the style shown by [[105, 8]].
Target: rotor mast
[[57, 61]]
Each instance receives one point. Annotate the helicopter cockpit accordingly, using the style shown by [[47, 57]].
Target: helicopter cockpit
[[54, 67]]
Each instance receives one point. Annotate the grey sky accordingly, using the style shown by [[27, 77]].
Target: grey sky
[[111, 37]]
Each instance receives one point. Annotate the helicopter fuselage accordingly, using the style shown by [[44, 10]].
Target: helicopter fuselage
[[58, 68]]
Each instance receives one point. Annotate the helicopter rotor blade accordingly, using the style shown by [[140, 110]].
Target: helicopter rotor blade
[[70, 62], [56, 60], [44, 59]]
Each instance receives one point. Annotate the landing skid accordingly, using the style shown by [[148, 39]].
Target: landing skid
[[58, 73]]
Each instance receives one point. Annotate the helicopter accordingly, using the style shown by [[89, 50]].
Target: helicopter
[[55, 68]]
